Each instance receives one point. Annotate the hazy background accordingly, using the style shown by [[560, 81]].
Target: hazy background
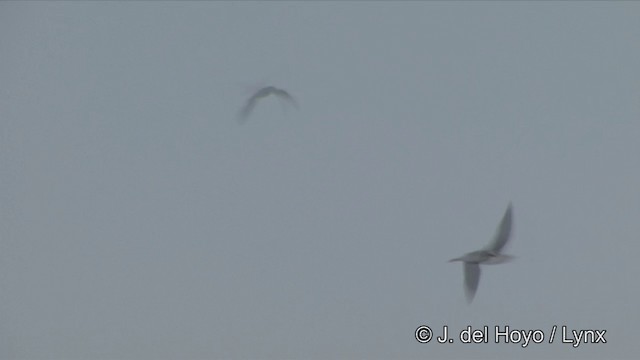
[[139, 220]]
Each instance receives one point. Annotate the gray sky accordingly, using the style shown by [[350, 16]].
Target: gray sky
[[139, 220]]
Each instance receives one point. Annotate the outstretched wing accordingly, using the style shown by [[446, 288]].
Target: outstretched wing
[[286, 96], [246, 110], [503, 232], [471, 280]]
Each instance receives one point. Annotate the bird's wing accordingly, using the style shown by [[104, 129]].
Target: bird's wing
[[502, 233], [471, 279], [285, 95], [244, 113]]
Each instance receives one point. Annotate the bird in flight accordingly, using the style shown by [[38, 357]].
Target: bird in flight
[[490, 254], [262, 93]]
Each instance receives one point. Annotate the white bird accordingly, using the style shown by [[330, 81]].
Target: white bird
[[490, 254], [264, 92]]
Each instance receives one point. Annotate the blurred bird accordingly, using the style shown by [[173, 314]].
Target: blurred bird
[[490, 254], [262, 93]]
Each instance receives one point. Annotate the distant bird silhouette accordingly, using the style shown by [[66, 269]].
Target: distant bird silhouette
[[262, 93], [490, 254]]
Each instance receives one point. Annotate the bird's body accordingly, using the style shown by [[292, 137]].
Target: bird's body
[[491, 254], [262, 93], [483, 257]]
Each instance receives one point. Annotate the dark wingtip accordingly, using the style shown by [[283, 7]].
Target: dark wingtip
[[509, 210]]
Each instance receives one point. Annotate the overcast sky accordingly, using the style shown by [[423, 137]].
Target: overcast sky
[[140, 220]]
